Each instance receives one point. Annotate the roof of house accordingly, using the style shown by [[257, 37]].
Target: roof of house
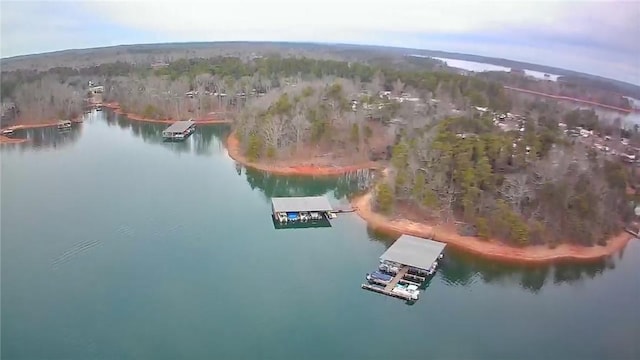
[[414, 251], [297, 204], [179, 126]]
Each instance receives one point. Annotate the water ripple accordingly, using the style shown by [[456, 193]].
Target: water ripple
[[75, 250]]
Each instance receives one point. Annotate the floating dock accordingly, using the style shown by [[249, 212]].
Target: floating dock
[[411, 260], [179, 130], [301, 209]]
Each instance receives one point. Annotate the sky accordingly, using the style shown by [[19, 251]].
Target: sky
[[596, 37]]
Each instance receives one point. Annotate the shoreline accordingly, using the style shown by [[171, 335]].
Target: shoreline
[[137, 117], [234, 151], [490, 249], [8, 140]]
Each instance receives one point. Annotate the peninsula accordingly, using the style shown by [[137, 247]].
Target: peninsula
[[489, 162]]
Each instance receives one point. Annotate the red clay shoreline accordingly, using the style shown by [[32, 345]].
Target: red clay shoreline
[[235, 152], [8, 140], [490, 249], [567, 98], [48, 123], [137, 117]]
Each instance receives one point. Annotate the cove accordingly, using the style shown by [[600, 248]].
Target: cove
[[118, 245]]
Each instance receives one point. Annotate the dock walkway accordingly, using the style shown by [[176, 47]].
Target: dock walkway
[[392, 284]]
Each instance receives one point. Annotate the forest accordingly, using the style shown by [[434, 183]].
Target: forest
[[530, 187], [224, 84]]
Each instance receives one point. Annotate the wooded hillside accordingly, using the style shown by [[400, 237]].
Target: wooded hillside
[[527, 187]]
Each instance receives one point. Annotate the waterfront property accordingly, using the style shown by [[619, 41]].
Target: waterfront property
[[307, 208], [179, 130], [405, 266]]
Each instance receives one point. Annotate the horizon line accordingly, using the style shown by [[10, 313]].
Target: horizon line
[[16, 57]]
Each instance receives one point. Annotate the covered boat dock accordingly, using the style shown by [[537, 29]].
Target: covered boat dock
[[414, 252], [410, 260], [285, 209], [179, 130]]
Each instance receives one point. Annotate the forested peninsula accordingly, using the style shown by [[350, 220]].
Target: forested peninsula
[[459, 155]]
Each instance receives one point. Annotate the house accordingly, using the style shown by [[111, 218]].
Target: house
[[96, 89], [159, 65]]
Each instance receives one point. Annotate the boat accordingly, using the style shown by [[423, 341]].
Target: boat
[[389, 268], [304, 216], [64, 125], [331, 215], [315, 215], [409, 291], [282, 217], [98, 107], [293, 216], [7, 132], [378, 277]]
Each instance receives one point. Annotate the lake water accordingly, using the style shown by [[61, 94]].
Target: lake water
[[480, 67], [116, 245]]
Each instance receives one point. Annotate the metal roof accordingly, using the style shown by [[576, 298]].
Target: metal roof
[[179, 126], [297, 204], [414, 251]]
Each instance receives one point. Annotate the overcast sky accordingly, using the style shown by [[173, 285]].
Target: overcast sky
[[601, 38]]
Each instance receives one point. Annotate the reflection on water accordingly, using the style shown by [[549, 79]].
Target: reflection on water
[[461, 269], [44, 138], [275, 185], [199, 143], [381, 236]]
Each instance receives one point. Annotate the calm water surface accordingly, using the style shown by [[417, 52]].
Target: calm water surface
[[481, 67], [116, 245]]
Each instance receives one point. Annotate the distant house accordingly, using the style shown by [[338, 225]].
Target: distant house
[[96, 89], [628, 158], [384, 94], [159, 65]]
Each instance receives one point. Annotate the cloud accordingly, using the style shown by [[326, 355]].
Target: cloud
[[596, 37]]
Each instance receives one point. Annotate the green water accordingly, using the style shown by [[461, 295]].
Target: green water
[[116, 245]]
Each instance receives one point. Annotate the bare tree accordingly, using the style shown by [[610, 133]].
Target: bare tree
[[300, 124], [273, 129], [517, 190], [398, 87]]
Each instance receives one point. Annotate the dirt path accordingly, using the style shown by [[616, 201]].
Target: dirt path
[[487, 248], [136, 117], [567, 98], [235, 152]]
